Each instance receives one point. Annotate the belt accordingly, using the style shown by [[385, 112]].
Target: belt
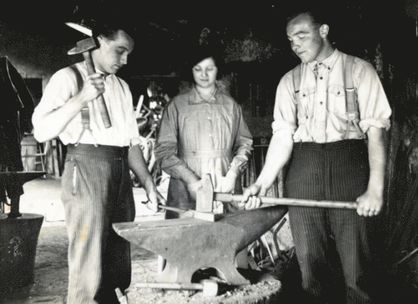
[[336, 145], [97, 151]]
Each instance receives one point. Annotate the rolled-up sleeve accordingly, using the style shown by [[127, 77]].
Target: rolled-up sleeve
[[285, 117], [61, 87], [374, 107], [166, 148], [242, 143]]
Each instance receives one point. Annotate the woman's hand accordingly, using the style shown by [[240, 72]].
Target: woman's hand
[[227, 182]]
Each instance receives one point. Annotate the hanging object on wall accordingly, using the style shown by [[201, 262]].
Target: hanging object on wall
[[248, 49]]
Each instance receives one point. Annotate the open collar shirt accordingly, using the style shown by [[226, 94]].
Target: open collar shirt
[[205, 136], [63, 85], [321, 114]]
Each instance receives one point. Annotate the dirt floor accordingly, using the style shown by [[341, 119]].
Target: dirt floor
[[50, 282], [50, 273]]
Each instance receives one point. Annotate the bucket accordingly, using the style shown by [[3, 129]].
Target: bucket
[[18, 241]]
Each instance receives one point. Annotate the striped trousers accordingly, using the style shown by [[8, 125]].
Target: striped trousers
[[96, 192], [333, 246]]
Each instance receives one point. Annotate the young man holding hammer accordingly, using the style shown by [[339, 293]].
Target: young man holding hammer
[[316, 129], [96, 185]]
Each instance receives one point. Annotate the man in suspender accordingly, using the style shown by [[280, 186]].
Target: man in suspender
[[318, 129], [96, 185]]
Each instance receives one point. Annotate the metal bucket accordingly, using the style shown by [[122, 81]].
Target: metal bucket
[[18, 241]]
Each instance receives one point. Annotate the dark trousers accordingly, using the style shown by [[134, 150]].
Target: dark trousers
[[327, 240], [96, 192]]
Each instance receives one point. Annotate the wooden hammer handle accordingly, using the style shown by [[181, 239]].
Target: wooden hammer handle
[[100, 99], [266, 200]]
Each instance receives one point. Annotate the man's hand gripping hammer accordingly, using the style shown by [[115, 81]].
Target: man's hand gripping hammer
[[85, 47], [206, 195]]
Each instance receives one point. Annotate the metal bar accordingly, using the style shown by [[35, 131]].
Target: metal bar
[[180, 286], [178, 210], [266, 200]]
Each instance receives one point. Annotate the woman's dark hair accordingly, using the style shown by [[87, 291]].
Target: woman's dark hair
[[201, 52], [195, 55]]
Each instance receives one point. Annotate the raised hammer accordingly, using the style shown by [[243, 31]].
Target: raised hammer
[[85, 47], [206, 195]]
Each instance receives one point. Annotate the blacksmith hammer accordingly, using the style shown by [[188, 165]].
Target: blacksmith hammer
[[206, 195], [85, 47]]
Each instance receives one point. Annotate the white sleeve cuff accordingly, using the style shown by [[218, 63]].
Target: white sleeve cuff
[[283, 126], [365, 124]]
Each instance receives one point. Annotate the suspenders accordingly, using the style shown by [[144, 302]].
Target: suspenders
[[352, 109], [296, 76], [353, 113], [85, 112]]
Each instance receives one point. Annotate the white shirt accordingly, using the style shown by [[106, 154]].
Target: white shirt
[[321, 115], [118, 98]]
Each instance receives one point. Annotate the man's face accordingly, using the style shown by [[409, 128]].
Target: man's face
[[305, 38], [204, 73], [113, 52]]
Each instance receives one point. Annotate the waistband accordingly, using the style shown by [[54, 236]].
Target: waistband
[[336, 145], [97, 151], [205, 153]]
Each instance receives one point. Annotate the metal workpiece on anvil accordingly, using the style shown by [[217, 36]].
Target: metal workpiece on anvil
[[190, 244]]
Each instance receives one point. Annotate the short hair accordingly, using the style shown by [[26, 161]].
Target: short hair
[[109, 29], [319, 14], [318, 17]]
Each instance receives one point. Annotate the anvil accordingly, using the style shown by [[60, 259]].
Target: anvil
[[190, 244], [19, 177]]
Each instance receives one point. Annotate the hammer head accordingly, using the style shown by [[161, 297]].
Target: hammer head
[[84, 45], [204, 195]]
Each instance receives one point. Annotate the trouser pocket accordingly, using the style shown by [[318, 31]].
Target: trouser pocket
[[70, 177], [74, 179]]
